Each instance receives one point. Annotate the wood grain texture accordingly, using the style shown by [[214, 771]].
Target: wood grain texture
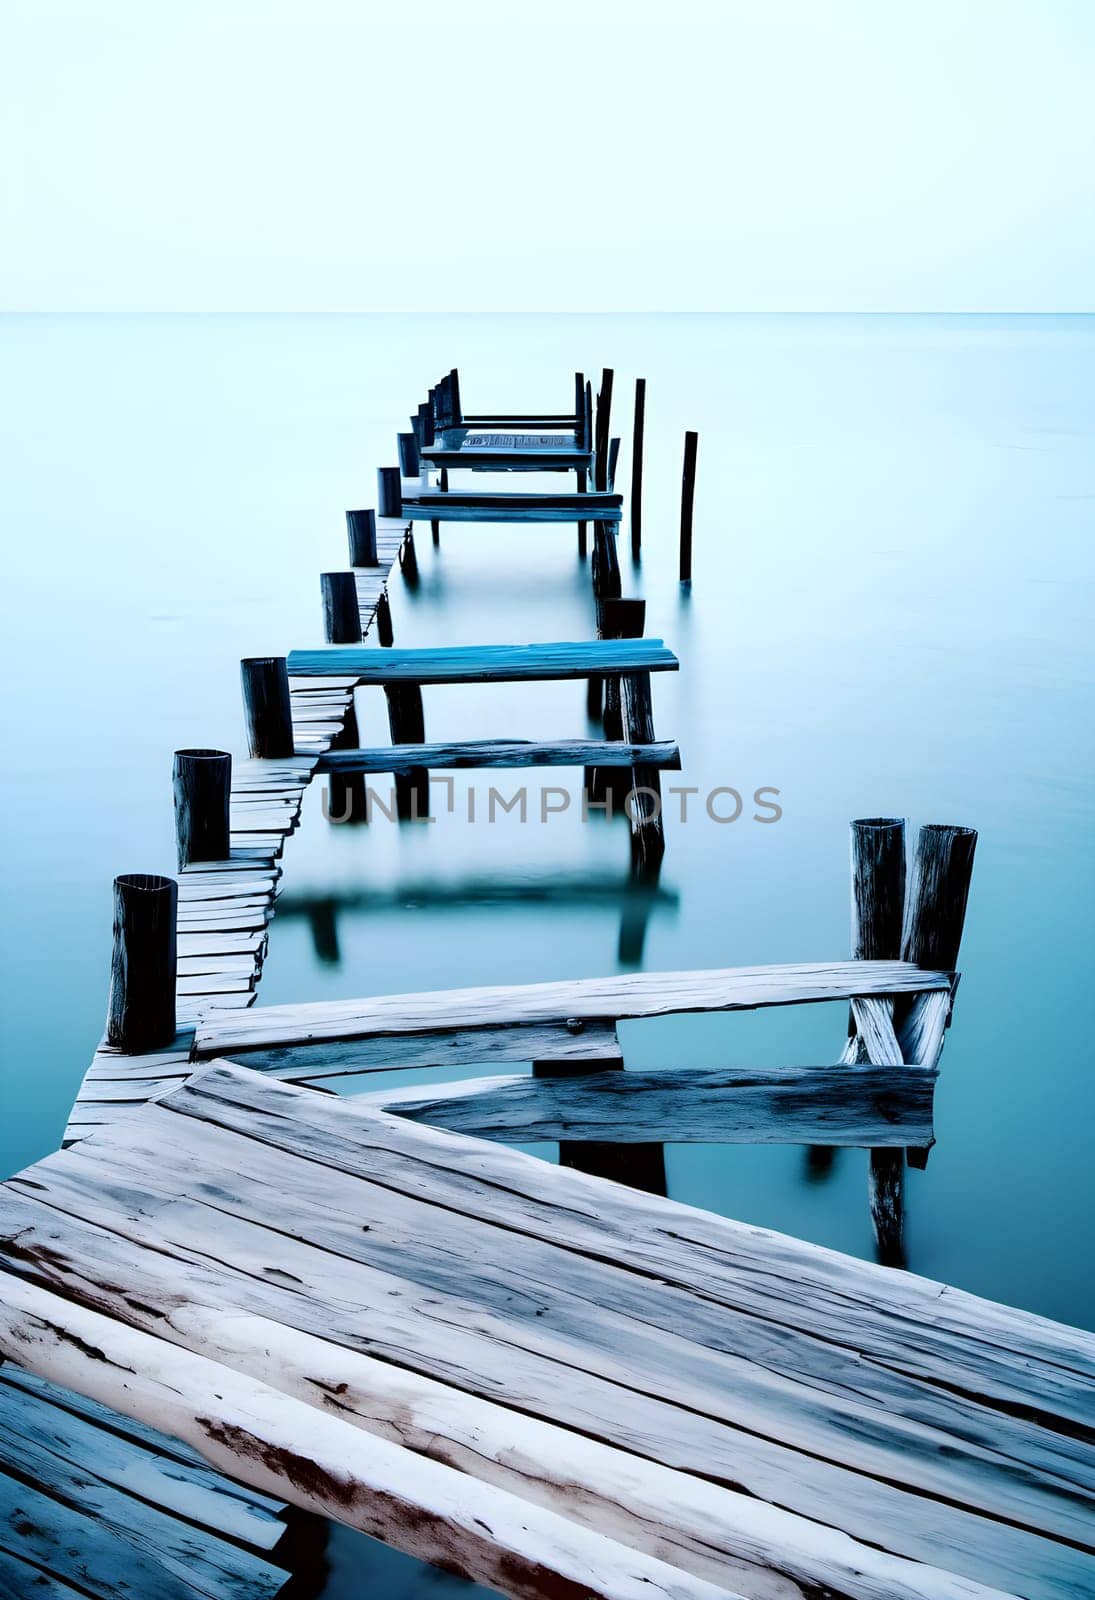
[[734, 1105], [820, 1387], [323, 1463], [644, 994]]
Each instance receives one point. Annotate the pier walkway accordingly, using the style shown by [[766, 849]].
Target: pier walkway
[[546, 1381]]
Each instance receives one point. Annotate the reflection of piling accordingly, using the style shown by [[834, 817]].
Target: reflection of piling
[[323, 921]]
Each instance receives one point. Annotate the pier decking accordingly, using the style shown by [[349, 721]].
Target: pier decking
[[539, 1378]]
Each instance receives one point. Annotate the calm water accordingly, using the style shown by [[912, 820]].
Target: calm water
[[892, 614]]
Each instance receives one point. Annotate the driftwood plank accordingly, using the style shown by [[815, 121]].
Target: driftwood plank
[[488, 663], [645, 994], [741, 1105]]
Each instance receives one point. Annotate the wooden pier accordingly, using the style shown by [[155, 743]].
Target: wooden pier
[[237, 1304]]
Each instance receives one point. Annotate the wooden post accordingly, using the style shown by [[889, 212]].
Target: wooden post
[[361, 530], [347, 800], [645, 795], [443, 485], [619, 619], [613, 461], [641, 1166], [878, 905], [389, 492], [581, 484], [267, 707], [637, 434], [141, 1010], [383, 613], [606, 561], [407, 722], [688, 494], [937, 910], [581, 478], [425, 424], [409, 465], [341, 616], [937, 896], [602, 430], [202, 782], [878, 888]]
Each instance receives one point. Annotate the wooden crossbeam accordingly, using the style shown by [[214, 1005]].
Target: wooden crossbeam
[[872, 1107], [474, 753], [494, 663], [457, 506], [636, 994]]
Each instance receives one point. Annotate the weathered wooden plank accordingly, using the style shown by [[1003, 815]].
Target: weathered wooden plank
[[79, 1258], [644, 994], [703, 1528], [217, 943], [115, 1560], [472, 753], [207, 1564], [731, 1105], [1006, 1355], [593, 1042], [458, 506], [489, 663], [328, 1466], [551, 1303]]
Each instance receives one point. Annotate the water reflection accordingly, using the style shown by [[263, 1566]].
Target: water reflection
[[636, 899]]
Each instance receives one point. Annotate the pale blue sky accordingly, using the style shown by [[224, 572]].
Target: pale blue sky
[[585, 154]]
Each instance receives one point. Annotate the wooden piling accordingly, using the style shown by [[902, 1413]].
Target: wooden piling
[[936, 911], [341, 616], [581, 484], [389, 492], [347, 799], [938, 894], [606, 561], [878, 887], [688, 494], [361, 531], [601, 430], [202, 783], [619, 619], [878, 904], [407, 722], [409, 464], [267, 707], [141, 1009], [384, 631], [443, 485], [639, 1165], [638, 431]]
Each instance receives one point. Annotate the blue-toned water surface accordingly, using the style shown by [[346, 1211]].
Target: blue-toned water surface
[[891, 615]]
